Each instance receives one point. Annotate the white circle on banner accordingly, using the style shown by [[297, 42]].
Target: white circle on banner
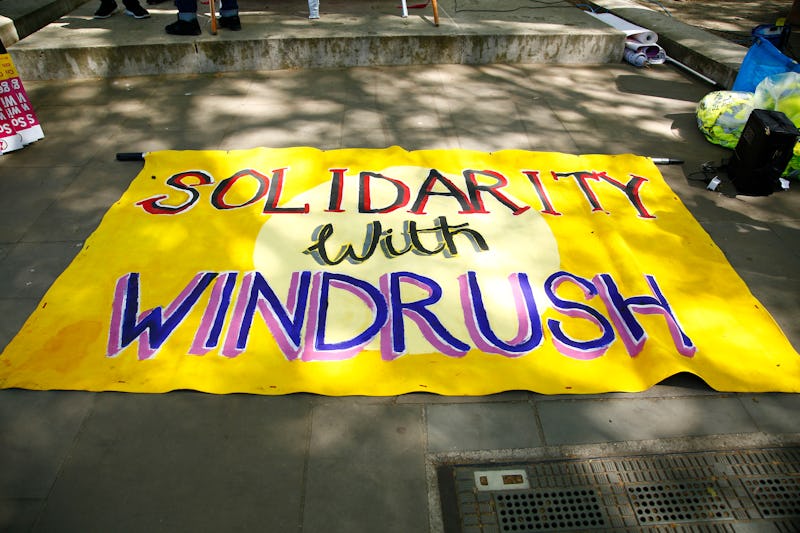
[[520, 243]]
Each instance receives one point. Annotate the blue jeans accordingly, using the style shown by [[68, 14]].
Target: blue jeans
[[190, 6]]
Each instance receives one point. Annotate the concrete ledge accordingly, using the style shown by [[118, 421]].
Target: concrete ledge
[[704, 52], [20, 19], [8, 31], [366, 33], [340, 51]]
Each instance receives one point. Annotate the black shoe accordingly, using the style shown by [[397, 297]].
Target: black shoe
[[183, 27], [232, 23], [136, 11], [105, 10]]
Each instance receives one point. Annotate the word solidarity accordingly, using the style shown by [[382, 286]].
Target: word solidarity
[[469, 197]]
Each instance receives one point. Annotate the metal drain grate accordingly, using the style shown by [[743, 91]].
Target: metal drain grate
[[757, 490], [670, 503], [555, 510], [775, 497]]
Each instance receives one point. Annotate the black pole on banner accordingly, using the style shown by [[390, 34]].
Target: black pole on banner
[[131, 156]]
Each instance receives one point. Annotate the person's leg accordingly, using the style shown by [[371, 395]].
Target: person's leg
[[313, 9], [228, 8], [187, 9], [229, 15], [187, 19]]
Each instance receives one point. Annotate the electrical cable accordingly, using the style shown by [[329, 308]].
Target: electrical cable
[[710, 172]]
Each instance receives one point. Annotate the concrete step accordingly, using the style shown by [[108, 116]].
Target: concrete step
[[278, 35], [20, 18]]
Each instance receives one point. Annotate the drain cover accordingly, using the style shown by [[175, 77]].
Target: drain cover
[[712, 491], [550, 510], [669, 503]]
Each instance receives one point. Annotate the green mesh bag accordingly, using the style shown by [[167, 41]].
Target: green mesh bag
[[721, 116], [781, 92]]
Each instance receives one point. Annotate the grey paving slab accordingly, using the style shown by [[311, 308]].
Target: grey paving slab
[[140, 140], [39, 429], [79, 208], [413, 116], [779, 297], [511, 136], [325, 136], [632, 419], [298, 88], [545, 131], [498, 112], [649, 112], [419, 139], [25, 193], [18, 515], [180, 112], [725, 205], [774, 413], [756, 246], [413, 107], [30, 268], [303, 118], [219, 84], [184, 461], [70, 139], [481, 426], [364, 126], [366, 469], [96, 94]]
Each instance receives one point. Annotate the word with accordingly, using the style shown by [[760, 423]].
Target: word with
[[375, 235], [299, 326]]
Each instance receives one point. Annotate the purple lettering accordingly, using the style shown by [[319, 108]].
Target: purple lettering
[[621, 310], [566, 345], [529, 332], [154, 326], [316, 347], [393, 341], [284, 322]]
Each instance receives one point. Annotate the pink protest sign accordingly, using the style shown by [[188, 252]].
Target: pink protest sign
[[16, 111]]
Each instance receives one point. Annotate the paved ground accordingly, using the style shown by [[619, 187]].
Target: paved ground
[[731, 20], [78, 461]]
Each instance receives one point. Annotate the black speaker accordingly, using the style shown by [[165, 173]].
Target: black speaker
[[762, 153]]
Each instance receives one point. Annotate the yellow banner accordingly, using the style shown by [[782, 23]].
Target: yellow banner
[[380, 272]]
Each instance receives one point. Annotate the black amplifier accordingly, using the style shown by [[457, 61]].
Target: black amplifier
[[762, 153]]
